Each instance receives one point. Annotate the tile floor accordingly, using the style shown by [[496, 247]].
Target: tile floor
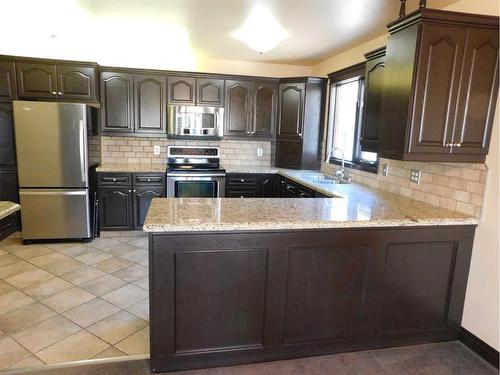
[[62, 302]]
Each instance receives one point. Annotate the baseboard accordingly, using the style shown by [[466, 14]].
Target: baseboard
[[478, 346]]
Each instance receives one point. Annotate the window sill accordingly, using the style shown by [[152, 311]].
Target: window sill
[[365, 167]]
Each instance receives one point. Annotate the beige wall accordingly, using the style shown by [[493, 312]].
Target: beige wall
[[481, 311]]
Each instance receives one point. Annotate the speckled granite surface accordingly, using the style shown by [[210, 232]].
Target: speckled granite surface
[[7, 208], [130, 168]]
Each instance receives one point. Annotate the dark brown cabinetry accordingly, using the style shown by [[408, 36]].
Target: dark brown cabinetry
[[251, 185], [8, 169], [133, 103], [374, 85], [47, 80], [8, 87], [210, 92], [300, 122], [250, 109], [124, 199], [440, 87], [292, 189], [191, 90]]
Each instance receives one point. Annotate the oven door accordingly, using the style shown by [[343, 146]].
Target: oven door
[[195, 186]]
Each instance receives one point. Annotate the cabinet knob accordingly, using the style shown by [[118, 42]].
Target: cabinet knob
[[241, 196], [135, 191], [59, 93], [457, 145], [54, 93], [448, 145], [149, 180], [114, 179], [130, 191], [242, 180], [300, 134]]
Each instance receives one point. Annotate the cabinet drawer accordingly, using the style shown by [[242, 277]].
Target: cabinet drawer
[[8, 225], [149, 179], [241, 193], [290, 189], [242, 179], [114, 179]]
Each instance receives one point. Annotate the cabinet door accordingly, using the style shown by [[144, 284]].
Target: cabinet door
[[238, 108], [374, 84], [150, 103], [264, 109], [76, 82], [478, 92], [268, 185], [115, 208], [8, 90], [116, 102], [36, 80], [7, 142], [142, 200], [9, 190], [289, 154], [291, 109], [436, 88], [181, 90], [210, 92]]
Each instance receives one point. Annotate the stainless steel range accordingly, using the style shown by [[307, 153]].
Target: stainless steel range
[[195, 172]]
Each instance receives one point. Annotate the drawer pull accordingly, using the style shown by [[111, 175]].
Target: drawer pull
[[242, 180], [114, 179]]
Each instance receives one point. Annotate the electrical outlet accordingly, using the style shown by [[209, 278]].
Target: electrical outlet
[[156, 150], [415, 176], [385, 170], [259, 152]]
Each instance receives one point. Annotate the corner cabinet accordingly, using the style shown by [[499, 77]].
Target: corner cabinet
[[301, 115], [133, 103], [440, 88]]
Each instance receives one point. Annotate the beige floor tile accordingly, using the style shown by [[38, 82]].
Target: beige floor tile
[[47, 288], [62, 246], [45, 333], [65, 266], [140, 309], [16, 269], [48, 259], [5, 288], [137, 256], [3, 252], [8, 259], [103, 285], [30, 361], [68, 299], [33, 252], [141, 242], [118, 326], [105, 243], [90, 312], [13, 300], [15, 245], [81, 345], [24, 317], [135, 344], [122, 250], [110, 352], [143, 283], [25, 279], [113, 264], [126, 295], [132, 273], [94, 257], [11, 352], [145, 263], [82, 275], [76, 251]]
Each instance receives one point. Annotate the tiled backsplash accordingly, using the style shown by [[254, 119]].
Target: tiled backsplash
[[455, 186], [140, 150]]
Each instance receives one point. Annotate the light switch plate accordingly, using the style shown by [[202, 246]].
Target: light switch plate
[[156, 150], [259, 152], [415, 176], [385, 170]]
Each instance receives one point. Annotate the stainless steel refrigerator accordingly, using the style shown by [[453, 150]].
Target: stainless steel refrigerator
[[52, 160]]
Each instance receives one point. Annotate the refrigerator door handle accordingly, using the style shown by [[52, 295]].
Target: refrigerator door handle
[[81, 129], [51, 192]]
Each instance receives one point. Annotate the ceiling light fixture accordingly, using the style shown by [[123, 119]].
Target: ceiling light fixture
[[261, 31]]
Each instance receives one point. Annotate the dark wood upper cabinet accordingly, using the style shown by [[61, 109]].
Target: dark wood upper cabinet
[[237, 109], [181, 90], [76, 82], [301, 115], [36, 80], [440, 87], [291, 109], [116, 102], [374, 85], [150, 103], [210, 92], [7, 142], [8, 89], [264, 109]]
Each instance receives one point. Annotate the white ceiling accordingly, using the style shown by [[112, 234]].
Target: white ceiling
[[111, 30]]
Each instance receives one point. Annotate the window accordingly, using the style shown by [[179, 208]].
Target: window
[[345, 119]]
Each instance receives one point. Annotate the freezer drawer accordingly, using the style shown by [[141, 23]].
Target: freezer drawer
[[55, 213]]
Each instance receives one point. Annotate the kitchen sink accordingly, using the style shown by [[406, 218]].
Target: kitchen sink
[[331, 180]]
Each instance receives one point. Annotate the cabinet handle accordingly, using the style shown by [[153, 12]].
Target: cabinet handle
[[457, 145], [149, 180], [300, 134], [60, 93], [130, 191], [54, 93], [114, 179], [241, 196], [135, 191], [242, 180], [448, 145]]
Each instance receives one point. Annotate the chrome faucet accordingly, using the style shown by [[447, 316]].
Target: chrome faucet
[[340, 173]]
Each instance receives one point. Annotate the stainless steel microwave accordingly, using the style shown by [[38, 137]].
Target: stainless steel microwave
[[186, 121]]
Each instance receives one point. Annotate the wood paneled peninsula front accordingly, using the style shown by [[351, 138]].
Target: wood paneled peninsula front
[[249, 280]]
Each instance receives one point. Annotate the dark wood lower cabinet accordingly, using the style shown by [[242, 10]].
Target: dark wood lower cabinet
[[238, 297], [115, 208], [142, 199]]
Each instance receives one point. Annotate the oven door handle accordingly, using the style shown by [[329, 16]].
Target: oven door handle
[[195, 175]]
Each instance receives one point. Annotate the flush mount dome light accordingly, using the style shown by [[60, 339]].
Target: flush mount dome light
[[261, 31]]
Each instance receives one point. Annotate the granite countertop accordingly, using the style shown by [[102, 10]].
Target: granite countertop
[[353, 206], [130, 168], [7, 208]]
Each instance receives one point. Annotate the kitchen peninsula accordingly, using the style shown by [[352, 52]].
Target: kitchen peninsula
[[249, 280]]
